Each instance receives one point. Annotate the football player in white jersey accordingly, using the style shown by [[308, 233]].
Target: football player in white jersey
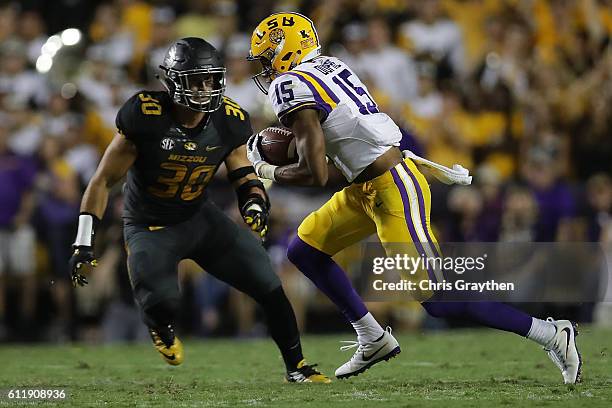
[[331, 114]]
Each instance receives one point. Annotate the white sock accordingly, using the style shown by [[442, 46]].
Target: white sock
[[541, 331], [367, 329]]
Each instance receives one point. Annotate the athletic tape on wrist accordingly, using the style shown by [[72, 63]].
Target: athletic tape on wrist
[[266, 170], [86, 230]]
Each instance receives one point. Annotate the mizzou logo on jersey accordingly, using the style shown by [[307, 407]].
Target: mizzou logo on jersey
[[190, 146]]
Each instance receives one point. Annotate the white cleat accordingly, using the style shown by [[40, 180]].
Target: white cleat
[[563, 352], [368, 354]]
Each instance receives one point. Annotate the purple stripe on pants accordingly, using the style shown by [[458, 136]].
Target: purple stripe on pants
[[406, 203], [419, 193]]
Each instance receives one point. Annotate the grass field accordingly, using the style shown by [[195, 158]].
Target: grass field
[[456, 369]]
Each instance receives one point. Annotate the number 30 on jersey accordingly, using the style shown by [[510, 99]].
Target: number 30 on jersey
[[149, 105]]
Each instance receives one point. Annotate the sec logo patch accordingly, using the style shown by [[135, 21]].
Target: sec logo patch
[[167, 144]]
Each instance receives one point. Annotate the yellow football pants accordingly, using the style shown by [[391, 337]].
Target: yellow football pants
[[395, 205]]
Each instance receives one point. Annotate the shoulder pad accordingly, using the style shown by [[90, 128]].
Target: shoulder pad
[[232, 109], [237, 122], [137, 112], [296, 90]]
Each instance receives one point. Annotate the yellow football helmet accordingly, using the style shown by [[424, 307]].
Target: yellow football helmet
[[280, 42]]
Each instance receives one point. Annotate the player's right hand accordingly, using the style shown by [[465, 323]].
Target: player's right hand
[[263, 169], [256, 213], [82, 255], [253, 153]]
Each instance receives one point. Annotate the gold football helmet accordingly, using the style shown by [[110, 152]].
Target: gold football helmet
[[280, 42]]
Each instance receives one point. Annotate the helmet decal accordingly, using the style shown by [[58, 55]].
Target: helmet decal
[[276, 36], [307, 43]]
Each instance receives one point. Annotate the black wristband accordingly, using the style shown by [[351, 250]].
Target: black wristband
[[240, 173], [244, 193]]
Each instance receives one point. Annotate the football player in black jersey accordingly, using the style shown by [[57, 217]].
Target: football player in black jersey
[[170, 144]]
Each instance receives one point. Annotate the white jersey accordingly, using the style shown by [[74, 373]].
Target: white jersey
[[356, 133]]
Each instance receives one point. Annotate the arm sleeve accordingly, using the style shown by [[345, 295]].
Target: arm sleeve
[[290, 93]]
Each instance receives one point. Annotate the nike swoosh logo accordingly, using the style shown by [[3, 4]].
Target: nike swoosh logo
[[367, 358], [211, 148], [567, 338], [171, 357], [378, 204]]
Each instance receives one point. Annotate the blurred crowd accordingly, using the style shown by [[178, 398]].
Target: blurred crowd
[[518, 91]]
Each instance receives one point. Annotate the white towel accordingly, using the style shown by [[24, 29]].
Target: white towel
[[457, 175]]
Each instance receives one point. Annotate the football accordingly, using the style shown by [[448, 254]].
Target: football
[[277, 146]]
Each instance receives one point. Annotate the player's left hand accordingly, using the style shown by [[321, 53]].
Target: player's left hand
[[255, 213], [82, 255]]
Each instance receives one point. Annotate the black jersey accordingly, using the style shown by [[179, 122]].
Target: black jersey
[[167, 183]]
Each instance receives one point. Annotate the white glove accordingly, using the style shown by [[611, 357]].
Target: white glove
[[253, 153], [457, 175], [262, 168]]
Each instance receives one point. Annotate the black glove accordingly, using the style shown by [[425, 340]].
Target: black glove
[[82, 255], [255, 213], [83, 248]]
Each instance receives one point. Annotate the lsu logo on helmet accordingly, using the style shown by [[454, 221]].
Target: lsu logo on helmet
[[280, 42]]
